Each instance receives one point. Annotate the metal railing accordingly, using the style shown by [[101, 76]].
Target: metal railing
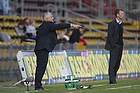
[[62, 7], [89, 26], [9, 69], [8, 62]]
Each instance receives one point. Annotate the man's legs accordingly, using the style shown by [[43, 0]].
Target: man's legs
[[118, 59], [5, 37], [42, 60], [112, 65]]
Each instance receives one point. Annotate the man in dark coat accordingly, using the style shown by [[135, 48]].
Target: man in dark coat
[[114, 44], [46, 40], [74, 38]]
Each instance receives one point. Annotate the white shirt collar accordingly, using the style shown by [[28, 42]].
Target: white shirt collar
[[119, 22]]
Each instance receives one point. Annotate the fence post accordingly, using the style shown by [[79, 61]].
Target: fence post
[[75, 46], [60, 46], [11, 61], [22, 7], [136, 42], [90, 26], [66, 16], [28, 46], [80, 4]]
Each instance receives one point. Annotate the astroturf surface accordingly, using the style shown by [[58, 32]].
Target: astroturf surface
[[99, 86]]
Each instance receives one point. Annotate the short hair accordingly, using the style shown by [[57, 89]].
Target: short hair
[[68, 31], [45, 15], [60, 33], [82, 26], [21, 22], [117, 11], [31, 21], [26, 19]]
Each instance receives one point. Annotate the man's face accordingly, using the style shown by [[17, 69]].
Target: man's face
[[81, 30], [27, 22], [50, 17], [61, 37], [121, 15]]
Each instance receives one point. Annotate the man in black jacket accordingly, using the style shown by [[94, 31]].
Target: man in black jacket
[[114, 44], [74, 38], [46, 40]]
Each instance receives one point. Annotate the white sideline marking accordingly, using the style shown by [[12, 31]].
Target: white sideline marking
[[25, 92], [9, 87], [122, 87], [71, 88], [99, 85]]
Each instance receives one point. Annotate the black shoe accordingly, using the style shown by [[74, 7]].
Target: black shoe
[[38, 89], [113, 83]]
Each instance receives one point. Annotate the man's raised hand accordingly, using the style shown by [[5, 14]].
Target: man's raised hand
[[77, 26]]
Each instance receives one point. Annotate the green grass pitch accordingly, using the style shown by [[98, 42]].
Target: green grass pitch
[[99, 86]]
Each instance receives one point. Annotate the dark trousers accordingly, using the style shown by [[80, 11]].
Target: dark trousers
[[42, 60], [114, 62]]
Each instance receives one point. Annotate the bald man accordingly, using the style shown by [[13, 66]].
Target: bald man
[[46, 40]]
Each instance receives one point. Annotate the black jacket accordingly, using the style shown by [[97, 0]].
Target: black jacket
[[75, 36], [114, 36], [46, 35]]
